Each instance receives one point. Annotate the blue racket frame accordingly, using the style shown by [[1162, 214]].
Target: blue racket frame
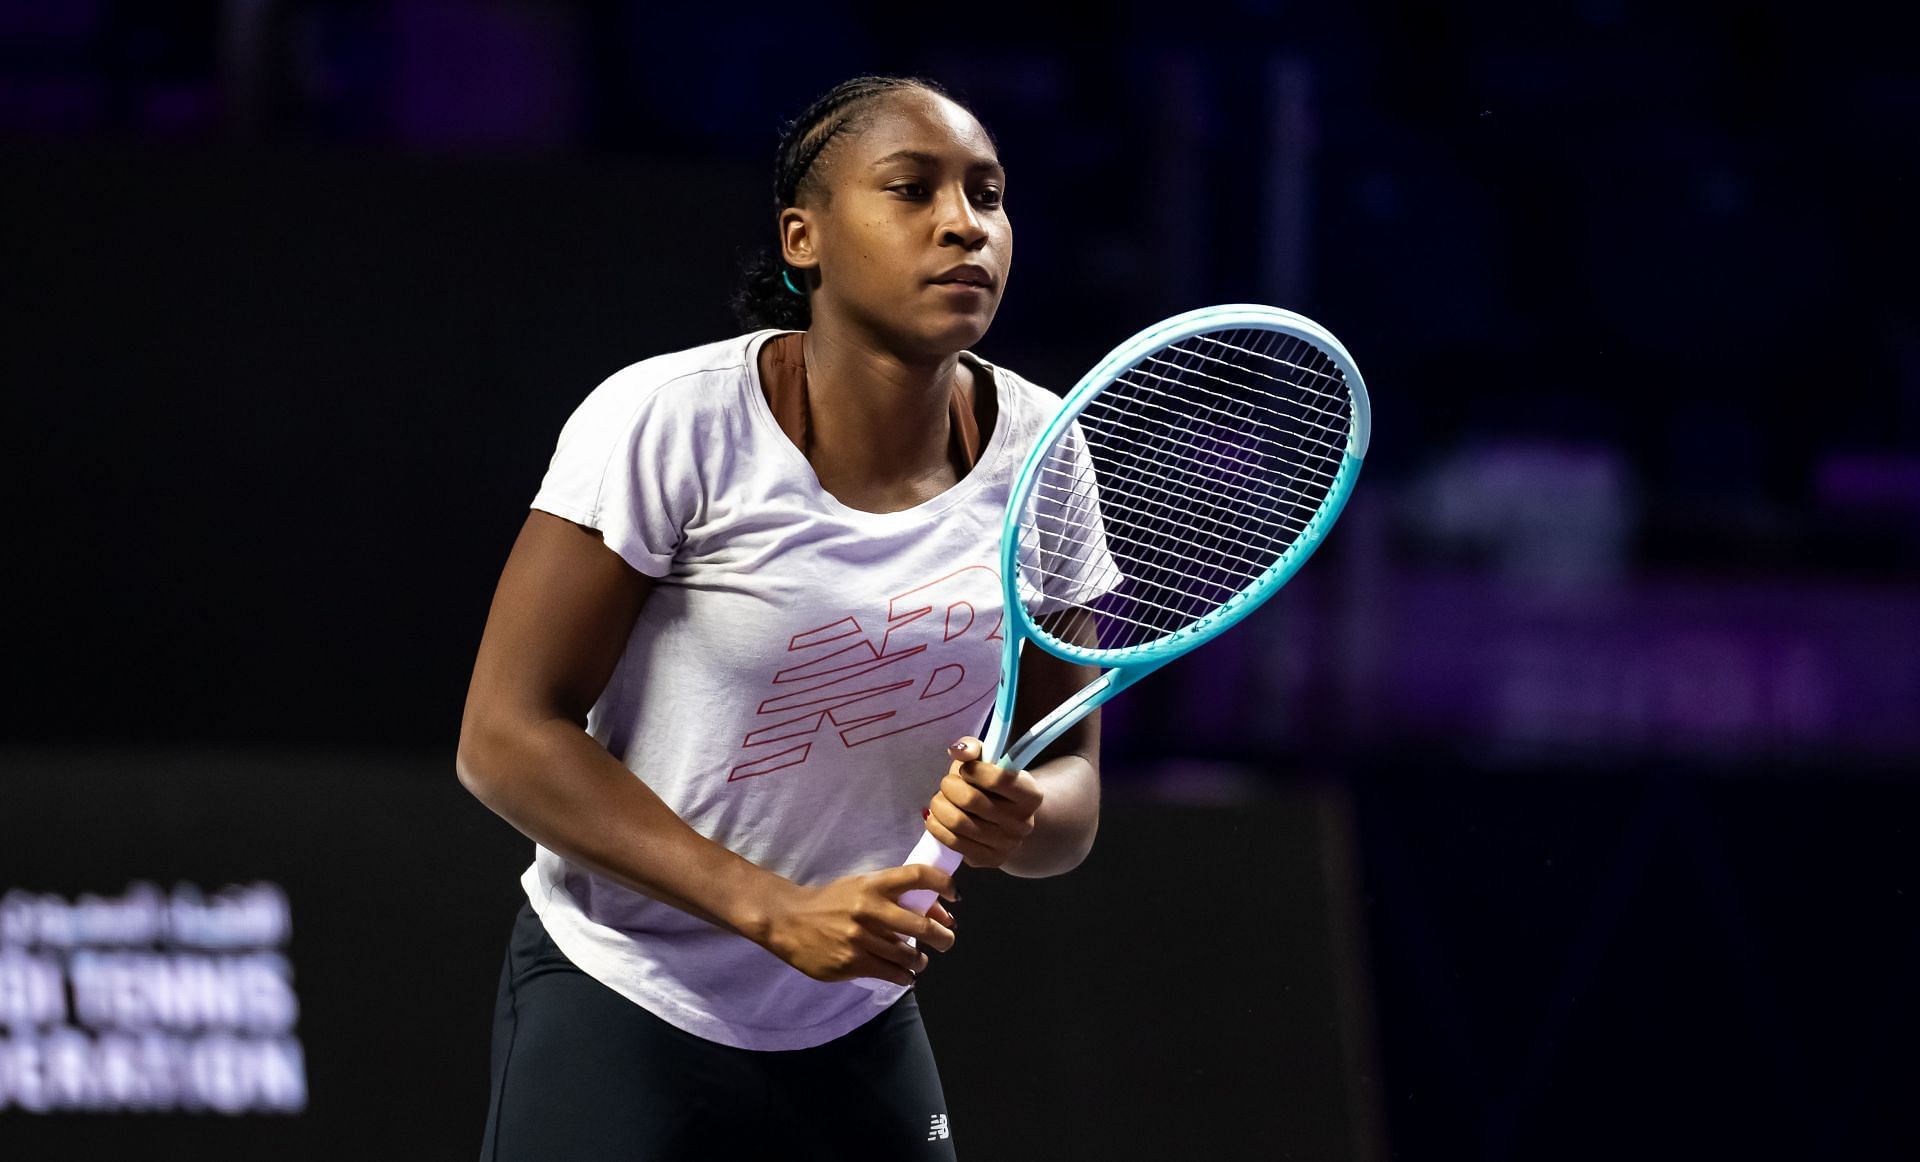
[[1128, 665]]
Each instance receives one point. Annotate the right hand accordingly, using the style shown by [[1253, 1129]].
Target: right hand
[[855, 925]]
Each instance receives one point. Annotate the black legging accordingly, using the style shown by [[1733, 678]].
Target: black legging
[[581, 1073]]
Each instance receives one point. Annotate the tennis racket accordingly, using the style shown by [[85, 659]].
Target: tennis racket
[[1181, 484]]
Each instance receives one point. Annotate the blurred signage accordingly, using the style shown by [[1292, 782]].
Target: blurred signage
[[1675, 666], [151, 1000]]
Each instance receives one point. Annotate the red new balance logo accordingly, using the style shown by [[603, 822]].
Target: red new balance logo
[[837, 678]]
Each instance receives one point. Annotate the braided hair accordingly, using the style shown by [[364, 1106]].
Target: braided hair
[[762, 298]]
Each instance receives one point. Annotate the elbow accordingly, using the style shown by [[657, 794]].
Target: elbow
[[467, 770], [1086, 847], [474, 761], [1078, 853], [493, 752]]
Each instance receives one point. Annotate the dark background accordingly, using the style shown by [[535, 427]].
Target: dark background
[[1562, 809]]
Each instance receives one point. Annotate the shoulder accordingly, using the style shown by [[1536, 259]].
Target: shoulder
[[644, 448], [688, 382]]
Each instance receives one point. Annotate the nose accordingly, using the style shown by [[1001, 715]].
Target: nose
[[958, 221]]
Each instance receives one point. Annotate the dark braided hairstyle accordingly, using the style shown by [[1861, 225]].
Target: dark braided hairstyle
[[761, 298]]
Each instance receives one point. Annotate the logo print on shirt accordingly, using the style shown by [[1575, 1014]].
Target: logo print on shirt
[[837, 678], [939, 1128]]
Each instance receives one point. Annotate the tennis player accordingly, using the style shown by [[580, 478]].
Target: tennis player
[[750, 613]]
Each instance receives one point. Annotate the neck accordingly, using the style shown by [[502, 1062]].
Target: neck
[[878, 420]]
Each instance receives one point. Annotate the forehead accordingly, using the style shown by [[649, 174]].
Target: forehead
[[917, 122]]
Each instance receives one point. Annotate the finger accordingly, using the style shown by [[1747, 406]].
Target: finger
[[928, 930], [996, 780], [896, 881], [991, 822], [1018, 790], [968, 755], [893, 954], [967, 796], [958, 822], [1014, 792], [1012, 808], [943, 916], [972, 852], [879, 970], [962, 832]]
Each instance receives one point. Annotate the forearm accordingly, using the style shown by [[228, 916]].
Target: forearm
[[558, 786], [1069, 815]]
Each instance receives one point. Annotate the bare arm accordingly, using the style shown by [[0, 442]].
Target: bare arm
[[559, 623], [1032, 823], [561, 615]]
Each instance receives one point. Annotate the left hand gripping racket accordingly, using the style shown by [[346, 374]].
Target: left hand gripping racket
[[1184, 480]]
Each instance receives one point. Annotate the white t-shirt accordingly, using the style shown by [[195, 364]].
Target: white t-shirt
[[792, 679]]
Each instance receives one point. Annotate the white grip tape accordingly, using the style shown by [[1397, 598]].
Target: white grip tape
[[930, 851]]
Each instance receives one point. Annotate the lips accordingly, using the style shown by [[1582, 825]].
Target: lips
[[969, 275]]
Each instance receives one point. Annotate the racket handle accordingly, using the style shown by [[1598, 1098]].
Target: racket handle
[[928, 850]]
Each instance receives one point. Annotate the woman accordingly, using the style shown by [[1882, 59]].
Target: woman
[[753, 598]]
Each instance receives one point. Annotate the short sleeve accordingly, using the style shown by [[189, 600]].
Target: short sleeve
[[1063, 555], [624, 465]]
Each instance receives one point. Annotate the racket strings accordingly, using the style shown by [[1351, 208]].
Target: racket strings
[[1248, 484], [1237, 482], [1175, 540], [1181, 484], [1332, 418], [1177, 493], [1168, 415], [1337, 384], [1255, 484], [1083, 495], [1257, 565]]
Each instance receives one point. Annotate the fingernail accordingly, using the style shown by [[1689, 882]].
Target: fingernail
[[959, 747], [926, 812]]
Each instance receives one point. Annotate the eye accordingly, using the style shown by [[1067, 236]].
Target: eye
[[991, 197], [911, 189]]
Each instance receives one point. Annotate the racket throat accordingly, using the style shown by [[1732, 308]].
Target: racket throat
[[1043, 732]]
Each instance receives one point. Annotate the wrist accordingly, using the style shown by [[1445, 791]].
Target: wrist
[[752, 899]]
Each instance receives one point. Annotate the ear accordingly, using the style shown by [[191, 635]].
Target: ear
[[796, 238]]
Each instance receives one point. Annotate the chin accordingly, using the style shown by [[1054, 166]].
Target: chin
[[931, 334], [958, 332]]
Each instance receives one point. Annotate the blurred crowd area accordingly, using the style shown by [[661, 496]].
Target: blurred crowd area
[[1627, 280]]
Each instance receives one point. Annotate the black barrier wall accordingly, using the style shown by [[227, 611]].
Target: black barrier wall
[[1195, 990], [286, 411]]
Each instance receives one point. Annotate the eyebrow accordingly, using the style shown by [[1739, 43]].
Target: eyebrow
[[926, 158]]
